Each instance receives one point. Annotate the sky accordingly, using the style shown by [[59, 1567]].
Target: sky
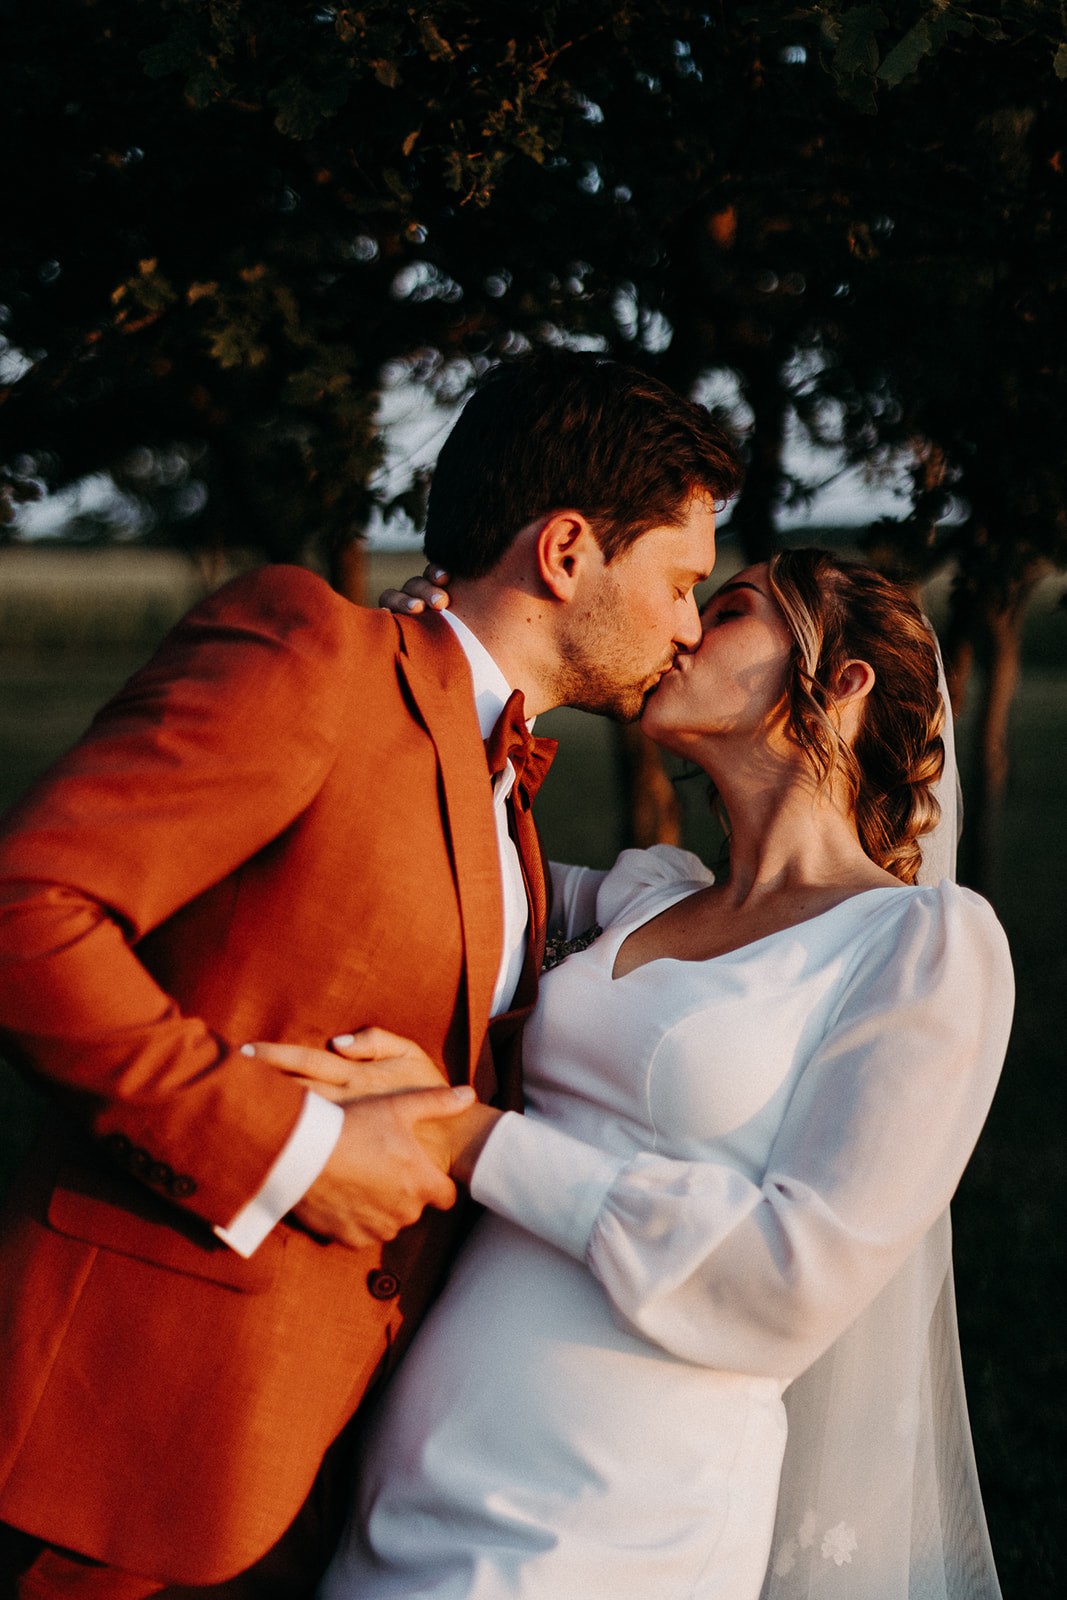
[[415, 427]]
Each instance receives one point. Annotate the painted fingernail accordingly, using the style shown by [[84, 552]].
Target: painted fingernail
[[248, 1049], [343, 1040]]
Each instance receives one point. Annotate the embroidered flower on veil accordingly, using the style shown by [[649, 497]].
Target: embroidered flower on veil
[[838, 1543]]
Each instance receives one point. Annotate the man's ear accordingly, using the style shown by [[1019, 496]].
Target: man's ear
[[565, 544]]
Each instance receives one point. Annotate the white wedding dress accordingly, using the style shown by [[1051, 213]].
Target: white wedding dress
[[722, 1164]]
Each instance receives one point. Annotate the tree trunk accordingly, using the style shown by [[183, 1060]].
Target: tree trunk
[[348, 569], [654, 813], [754, 514], [993, 640]]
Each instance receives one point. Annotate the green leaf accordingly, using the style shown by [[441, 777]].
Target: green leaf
[[857, 47], [386, 72], [531, 143], [207, 84], [302, 109], [858, 92], [176, 53], [234, 345], [944, 23], [436, 47], [906, 54], [226, 22], [396, 183]]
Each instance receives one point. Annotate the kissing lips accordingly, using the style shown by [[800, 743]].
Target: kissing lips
[[664, 672]]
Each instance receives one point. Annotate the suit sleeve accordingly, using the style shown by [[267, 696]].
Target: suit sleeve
[[206, 755]]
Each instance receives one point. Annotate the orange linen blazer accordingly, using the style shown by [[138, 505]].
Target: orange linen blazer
[[281, 828]]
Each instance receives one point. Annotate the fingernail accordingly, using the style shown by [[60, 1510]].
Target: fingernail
[[465, 1094], [411, 605], [438, 601], [437, 574], [248, 1049], [343, 1040]]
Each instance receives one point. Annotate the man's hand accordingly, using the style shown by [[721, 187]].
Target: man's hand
[[403, 1132], [380, 1177], [457, 1143]]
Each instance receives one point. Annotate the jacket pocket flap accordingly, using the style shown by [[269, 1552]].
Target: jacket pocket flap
[[112, 1212]]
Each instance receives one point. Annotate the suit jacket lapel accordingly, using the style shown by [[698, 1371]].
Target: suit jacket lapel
[[433, 666]]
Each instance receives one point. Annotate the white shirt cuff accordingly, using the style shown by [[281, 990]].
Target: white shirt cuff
[[552, 1185], [302, 1158]]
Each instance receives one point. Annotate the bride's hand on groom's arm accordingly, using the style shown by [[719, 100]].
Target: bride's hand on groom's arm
[[357, 1066]]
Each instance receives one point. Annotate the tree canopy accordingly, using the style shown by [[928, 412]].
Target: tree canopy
[[227, 219]]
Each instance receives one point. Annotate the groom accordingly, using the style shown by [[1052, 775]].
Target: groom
[[283, 829]]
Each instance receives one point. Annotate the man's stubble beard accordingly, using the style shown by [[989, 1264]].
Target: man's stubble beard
[[593, 676], [606, 700]]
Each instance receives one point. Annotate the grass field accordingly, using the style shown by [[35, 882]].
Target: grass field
[[72, 627]]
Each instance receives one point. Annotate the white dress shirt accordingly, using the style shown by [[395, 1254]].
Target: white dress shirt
[[318, 1127]]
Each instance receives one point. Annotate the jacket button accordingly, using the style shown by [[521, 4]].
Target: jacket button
[[383, 1285], [181, 1186]]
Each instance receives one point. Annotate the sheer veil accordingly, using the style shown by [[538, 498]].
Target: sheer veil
[[879, 1496]]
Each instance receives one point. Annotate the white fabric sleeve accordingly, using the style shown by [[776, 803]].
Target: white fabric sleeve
[[761, 1276], [582, 896], [550, 1183], [574, 892], [299, 1163]]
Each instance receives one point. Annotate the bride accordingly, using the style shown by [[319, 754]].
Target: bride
[[702, 1344]]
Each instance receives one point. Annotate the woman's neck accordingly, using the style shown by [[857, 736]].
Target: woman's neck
[[787, 832]]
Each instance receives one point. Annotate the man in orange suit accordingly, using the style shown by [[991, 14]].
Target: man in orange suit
[[282, 829]]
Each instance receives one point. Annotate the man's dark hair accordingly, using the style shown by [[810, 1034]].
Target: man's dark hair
[[562, 430]]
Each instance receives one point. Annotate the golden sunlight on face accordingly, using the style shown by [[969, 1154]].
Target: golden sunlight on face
[[733, 685], [638, 613]]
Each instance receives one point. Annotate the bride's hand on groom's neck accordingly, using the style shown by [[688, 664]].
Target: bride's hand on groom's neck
[[418, 593]]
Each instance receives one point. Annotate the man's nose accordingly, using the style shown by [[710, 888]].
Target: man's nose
[[690, 630]]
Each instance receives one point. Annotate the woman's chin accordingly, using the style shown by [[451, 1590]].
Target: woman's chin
[[656, 729]]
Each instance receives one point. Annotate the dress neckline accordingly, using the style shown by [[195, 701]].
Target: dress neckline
[[627, 928]]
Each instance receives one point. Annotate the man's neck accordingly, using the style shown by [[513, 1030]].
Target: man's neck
[[509, 629]]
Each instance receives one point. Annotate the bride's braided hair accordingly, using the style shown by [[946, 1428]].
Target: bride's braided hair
[[840, 611]]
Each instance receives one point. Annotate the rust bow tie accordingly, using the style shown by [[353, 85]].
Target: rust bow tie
[[511, 740]]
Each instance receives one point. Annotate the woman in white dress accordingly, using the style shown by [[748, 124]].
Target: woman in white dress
[[750, 1099]]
